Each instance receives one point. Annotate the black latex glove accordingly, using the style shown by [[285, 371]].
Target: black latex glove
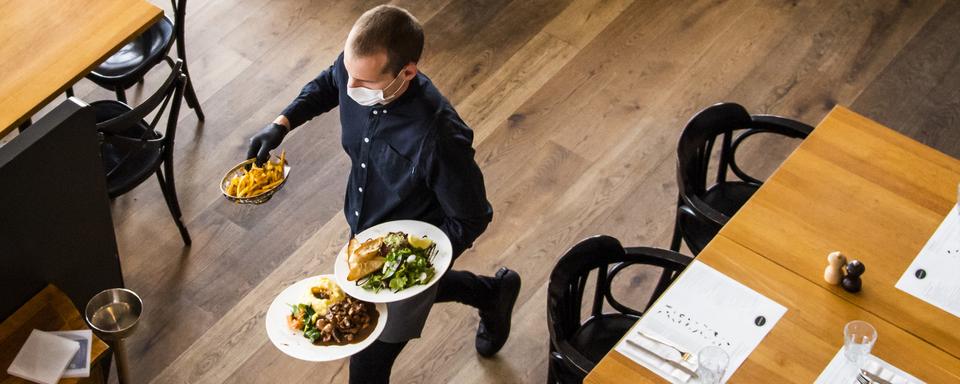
[[264, 141]]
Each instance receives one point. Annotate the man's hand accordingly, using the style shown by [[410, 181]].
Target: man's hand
[[266, 140]]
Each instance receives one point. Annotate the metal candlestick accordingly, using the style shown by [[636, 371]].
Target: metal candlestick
[[113, 315]]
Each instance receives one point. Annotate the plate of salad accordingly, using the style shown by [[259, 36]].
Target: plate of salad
[[393, 261], [315, 320]]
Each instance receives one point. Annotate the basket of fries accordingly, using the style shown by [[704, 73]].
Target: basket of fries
[[247, 183]]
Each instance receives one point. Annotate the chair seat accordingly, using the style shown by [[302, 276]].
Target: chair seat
[[140, 164], [727, 198], [600, 334], [131, 62]]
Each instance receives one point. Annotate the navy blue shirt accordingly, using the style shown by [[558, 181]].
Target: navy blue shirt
[[410, 159]]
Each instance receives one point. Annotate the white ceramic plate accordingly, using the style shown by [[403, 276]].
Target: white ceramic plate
[[418, 228], [294, 344]]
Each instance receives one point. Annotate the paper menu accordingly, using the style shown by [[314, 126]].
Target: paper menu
[[705, 307], [79, 365], [842, 371], [934, 275]]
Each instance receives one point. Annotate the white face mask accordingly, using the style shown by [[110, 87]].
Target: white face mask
[[368, 97]]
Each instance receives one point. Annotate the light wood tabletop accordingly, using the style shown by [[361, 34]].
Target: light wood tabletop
[[47, 45], [49, 310], [805, 339], [860, 188]]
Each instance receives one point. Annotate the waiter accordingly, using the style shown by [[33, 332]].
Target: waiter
[[411, 158]]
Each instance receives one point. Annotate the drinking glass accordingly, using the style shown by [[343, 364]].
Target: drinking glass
[[712, 364], [858, 339]]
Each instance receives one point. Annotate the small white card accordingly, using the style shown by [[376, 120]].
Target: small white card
[[79, 366], [702, 308], [43, 357], [842, 371], [934, 275]]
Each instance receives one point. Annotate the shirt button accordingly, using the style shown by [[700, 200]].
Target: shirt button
[[360, 189], [363, 165], [374, 111], [366, 139], [356, 213]]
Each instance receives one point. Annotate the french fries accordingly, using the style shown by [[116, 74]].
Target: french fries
[[257, 180]]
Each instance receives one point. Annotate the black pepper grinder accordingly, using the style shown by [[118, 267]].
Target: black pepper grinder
[[851, 281]]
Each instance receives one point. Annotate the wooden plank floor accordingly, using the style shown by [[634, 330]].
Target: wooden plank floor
[[576, 107]]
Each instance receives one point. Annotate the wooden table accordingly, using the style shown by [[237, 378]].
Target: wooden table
[[853, 186], [869, 192], [49, 310], [47, 45], [807, 337]]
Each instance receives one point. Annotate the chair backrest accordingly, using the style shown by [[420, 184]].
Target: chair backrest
[[721, 121], [170, 93], [605, 256]]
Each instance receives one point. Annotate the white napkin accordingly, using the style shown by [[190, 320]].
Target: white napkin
[[842, 371], [662, 360], [43, 357], [934, 275], [663, 350]]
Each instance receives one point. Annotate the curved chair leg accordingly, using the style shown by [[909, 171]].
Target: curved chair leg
[[121, 95], [170, 195], [551, 367], [551, 376], [675, 242], [191, 95]]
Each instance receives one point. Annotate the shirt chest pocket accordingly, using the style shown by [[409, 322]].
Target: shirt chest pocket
[[395, 170]]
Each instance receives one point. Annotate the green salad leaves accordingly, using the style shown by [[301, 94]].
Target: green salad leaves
[[308, 317], [406, 265]]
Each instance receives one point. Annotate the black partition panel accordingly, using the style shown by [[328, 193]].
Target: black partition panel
[[55, 224]]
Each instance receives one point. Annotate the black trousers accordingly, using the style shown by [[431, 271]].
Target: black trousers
[[373, 364]]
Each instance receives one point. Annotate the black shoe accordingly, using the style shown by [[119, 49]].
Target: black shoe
[[495, 323]]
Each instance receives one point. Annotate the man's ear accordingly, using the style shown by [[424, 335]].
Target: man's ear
[[409, 71]]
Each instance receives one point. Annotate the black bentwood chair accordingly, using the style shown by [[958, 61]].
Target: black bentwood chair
[[703, 210], [132, 149], [577, 346], [129, 65]]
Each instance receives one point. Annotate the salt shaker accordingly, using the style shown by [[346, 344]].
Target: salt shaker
[[834, 270]]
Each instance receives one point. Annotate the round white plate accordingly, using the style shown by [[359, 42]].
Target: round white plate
[[417, 228], [294, 344]]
